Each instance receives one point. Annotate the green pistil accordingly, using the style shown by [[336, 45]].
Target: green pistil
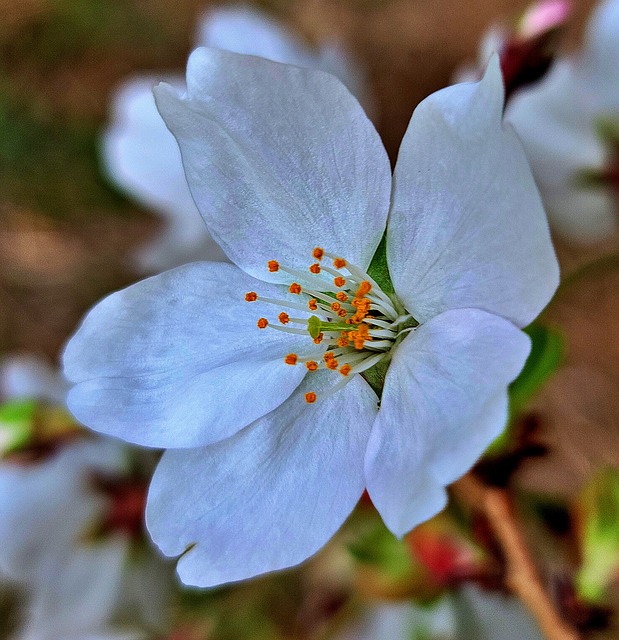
[[316, 326]]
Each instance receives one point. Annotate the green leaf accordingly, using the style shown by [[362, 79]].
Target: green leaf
[[598, 512], [547, 348], [379, 270], [16, 424]]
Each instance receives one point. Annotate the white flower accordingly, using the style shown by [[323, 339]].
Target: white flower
[[557, 121], [466, 614], [79, 585], [267, 458], [142, 156]]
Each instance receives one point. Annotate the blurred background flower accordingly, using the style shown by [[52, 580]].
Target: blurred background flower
[[81, 215]]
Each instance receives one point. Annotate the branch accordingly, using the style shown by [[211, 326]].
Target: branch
[[522, 577]]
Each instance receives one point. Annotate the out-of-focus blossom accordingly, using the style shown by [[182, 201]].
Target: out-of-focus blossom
[[271, 435], [70, 531], [569, 125], [466, 614], [527, 51], [143, 158]]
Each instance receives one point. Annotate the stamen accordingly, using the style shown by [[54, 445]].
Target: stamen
[[295, 288], [341, 296], [312, 304], [318, 253], [345, 370], [315, 268], [291, 358], [312, 365], [336, 306], [273, 266], [283, 317], [339, 263], [364, 287], [339, 281], [251, 296], [262, 323], [332, 364], [310, 397], [318, 338]]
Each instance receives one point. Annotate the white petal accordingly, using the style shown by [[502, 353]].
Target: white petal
[[467, 228], [77, 593], [600, 57], [556, 127], [402, 621], [493, 616], [444, 401], [28, 376], [279, 160], [178, 361], [246, 30], [270, 496], [142, 157], [44, 507]]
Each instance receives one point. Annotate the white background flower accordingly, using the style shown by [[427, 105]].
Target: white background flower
[[77, 587], [142, 156], [556, 121], [280, 160]]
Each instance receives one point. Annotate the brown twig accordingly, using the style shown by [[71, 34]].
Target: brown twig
[[522, 577]]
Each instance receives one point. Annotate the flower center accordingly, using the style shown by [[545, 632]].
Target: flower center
[[355, 325]]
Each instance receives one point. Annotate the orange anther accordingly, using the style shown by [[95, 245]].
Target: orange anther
[[318, 338], [339, 281], [273, 265], [315, 268], [291, 358], [252, 296], [359, 343], [312, 304], [283, 317], [311, 365], [342, 313], [262, 323], [295, 288], [341, 296], [338, 263], [345, 370], [343, 340], [318, 253], [310, 397], [336, 306], [364, 288], [328, 356], [331, 364]]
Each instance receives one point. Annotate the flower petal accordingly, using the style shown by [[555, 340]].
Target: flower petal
[[270, 496], [77, 593], [246, 30], [28, 376], [279, 160], [143, 158], [44, 507], [467, 228], [598, 66], [444, 401], [556, 127], [178, 361]]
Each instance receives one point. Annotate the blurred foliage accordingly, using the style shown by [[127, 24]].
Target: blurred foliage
[[51, 165], [597, 512]]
